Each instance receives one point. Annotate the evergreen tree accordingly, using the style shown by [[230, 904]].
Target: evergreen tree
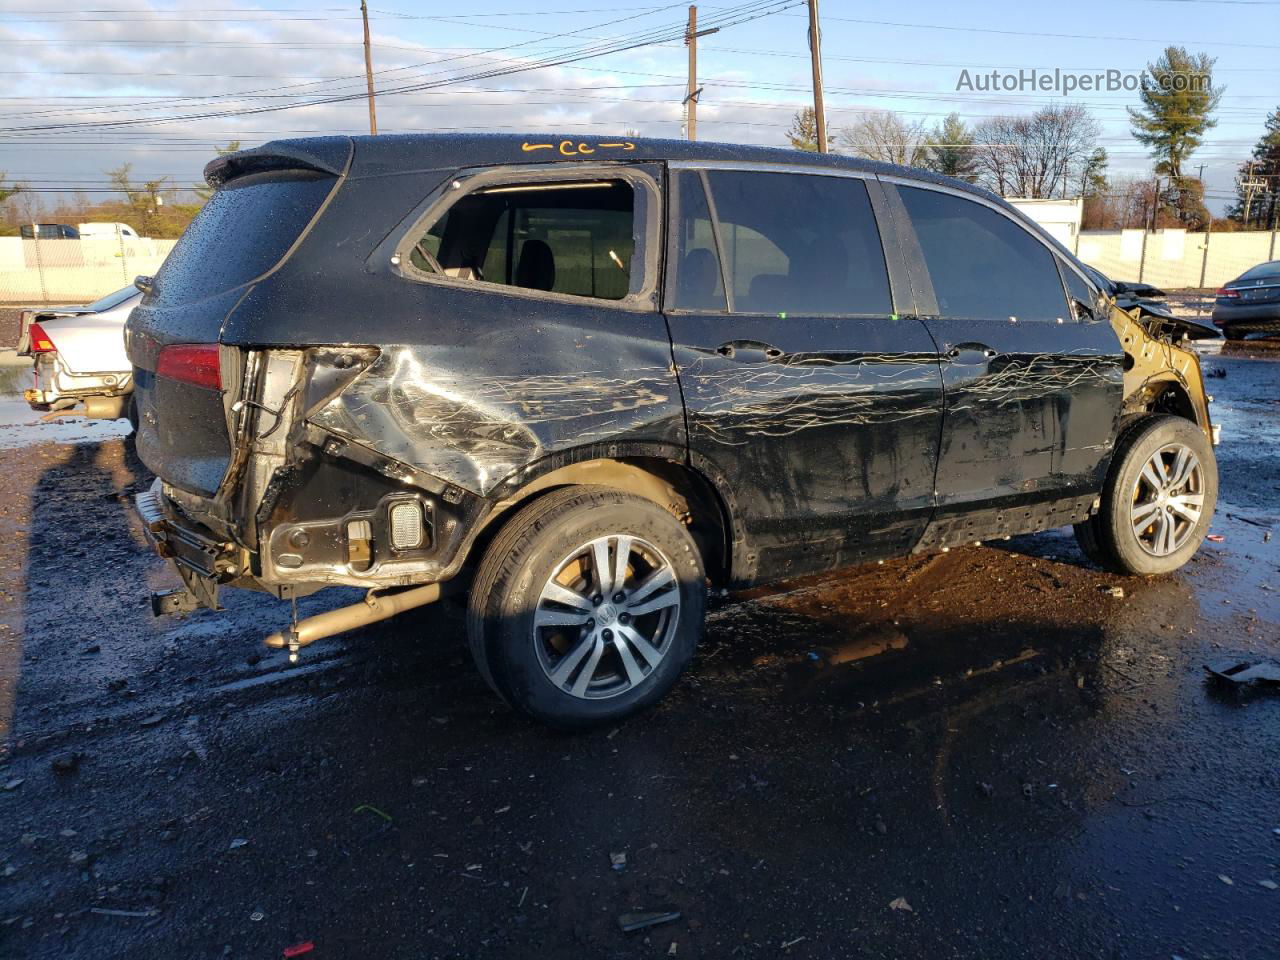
[[1264, 203], [803, 132], [951, 149], [1178, 98]]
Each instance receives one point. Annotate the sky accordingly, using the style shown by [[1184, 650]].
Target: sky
[[87, 86]]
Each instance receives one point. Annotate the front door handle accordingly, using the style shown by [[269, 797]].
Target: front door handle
[[743, 350], [970, 353]]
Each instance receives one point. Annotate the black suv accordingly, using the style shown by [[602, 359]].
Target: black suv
[[587, 379]]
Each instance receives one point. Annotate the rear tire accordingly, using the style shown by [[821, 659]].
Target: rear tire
[[554, 632], [1158, 499]]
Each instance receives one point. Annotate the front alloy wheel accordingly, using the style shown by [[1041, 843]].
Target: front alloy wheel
[[1158, 498], [1168, 500]]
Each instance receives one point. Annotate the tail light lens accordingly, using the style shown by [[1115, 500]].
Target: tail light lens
[[1228, 293], [193, 363], [39, 340]]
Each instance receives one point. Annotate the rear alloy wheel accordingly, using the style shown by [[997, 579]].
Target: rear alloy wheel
[[606, 617], [1158, 500], [586, 607]]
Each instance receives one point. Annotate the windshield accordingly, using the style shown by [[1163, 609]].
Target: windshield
[[112, 299]]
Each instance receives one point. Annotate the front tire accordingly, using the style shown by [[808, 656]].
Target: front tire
[[1158, 499], [587, 607]]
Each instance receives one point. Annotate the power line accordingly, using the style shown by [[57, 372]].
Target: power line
[[733, 16]]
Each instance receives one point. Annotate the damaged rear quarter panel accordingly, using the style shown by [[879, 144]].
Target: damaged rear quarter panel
[[472, 384], [494, 398]]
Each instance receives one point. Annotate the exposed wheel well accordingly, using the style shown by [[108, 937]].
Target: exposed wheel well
[[678, 489], [1173, 399]]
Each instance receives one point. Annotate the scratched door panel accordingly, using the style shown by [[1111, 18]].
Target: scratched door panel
[[1032, 393], [830, 451], [1030, 408], [826, 427]]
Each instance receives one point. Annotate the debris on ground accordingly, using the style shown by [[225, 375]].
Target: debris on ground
[[14, 784], [298, 949], [111, 912], [256, 916], [1269, 885], [1244, 671], [374, 810], [1215, 538], [630, 922], [66, 762], [900, 903], [786, 945], [1116, 592], [1227, 880], [618, 861], [237, 843]]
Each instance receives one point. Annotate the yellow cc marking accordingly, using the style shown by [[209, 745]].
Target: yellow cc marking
[[530, 147]]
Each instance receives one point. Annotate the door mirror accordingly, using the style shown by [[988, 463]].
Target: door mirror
[[1083, 311]]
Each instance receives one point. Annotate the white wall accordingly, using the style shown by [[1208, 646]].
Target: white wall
[[74, 271], [1176, 259]]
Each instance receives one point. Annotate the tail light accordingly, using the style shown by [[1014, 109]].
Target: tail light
[[1228, 293], [193, 363], [40, 342]]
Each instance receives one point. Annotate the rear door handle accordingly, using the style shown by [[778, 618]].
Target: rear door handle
[[971, 353], [742, 350]]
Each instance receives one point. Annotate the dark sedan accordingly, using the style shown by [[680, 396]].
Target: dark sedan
[[1250, 303]]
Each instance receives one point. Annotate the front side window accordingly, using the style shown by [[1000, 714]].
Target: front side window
[[575, 237], [799, 244], [982, 264]]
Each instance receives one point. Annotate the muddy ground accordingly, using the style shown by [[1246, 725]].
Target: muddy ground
[[1022, 763]]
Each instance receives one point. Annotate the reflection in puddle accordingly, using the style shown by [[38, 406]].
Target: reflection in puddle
[[871, 641]]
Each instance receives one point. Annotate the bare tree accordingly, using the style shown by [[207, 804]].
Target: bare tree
[[887, 137], [1039, 156]]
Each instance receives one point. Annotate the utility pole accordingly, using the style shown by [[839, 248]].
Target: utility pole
[[1251, 183], [815, 53], [693, 91], [368, 68]]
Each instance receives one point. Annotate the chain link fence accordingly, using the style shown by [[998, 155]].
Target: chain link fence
[[74, 271]]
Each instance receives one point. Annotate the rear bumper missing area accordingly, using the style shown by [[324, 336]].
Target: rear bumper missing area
[[202, 561]]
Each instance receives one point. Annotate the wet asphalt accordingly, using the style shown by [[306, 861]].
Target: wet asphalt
[[979, 754]]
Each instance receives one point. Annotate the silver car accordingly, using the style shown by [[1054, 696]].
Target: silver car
[[79, 356]]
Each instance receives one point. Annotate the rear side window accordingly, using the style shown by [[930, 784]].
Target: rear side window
[[982, 264], [242, 232], [699, 285], [799, 243], [574, 237]]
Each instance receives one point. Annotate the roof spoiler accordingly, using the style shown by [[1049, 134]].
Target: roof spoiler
[[331, 155]]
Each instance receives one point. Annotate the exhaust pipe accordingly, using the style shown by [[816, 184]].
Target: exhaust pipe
[[373, 608], [105, 408]]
